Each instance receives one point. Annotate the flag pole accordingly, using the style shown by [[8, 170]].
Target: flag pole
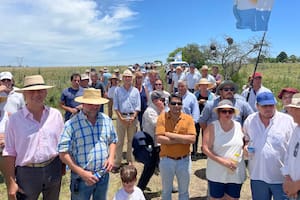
[[256, 64]]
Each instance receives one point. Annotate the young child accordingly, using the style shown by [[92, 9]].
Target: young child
[[129, 191]]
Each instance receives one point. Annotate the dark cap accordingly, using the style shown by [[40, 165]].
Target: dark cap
[[266, 98], [288, 90]]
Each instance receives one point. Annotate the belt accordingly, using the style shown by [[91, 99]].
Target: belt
[[127, 113], [42, 164], [178, 158]]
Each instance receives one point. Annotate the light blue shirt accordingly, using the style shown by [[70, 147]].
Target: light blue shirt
[[88, 144], [192, 78], [252, 96], [127, 101], [208, 115], [190, 106]]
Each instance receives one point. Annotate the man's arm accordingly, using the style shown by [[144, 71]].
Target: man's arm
[[67, 108], [109, 163], [87, 176], [9, 174]]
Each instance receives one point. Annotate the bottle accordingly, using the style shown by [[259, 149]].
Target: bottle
[[251, 150], [236, 158]]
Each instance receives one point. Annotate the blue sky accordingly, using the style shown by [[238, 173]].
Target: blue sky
[[116, 32]]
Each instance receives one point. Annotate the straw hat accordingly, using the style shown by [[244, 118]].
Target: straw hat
[[127, 72], [295, 101], [204, 81], [225, 103], [91, 96], [113, 77], [34, 82]]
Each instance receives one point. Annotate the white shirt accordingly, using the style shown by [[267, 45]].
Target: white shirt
[[192, 78], [176, 78], [291, 162], [270, 145], [137, 194], [15, 101], [228, 145], [252, 96], [111, 92]]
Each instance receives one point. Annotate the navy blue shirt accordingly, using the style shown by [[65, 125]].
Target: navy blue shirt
[[68, 95]]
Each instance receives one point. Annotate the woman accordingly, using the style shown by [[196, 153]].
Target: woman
[[203, 94], [138, 82], [158, 86], [223, 144], [285, 95]]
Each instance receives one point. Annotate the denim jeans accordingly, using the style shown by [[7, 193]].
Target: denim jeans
[[81, 191], [179, 168], [264, 191]]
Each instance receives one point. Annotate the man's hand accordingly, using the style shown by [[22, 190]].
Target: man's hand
[[12, 190], [89, 177]]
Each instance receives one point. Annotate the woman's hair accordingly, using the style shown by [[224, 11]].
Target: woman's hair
[[128, 173]]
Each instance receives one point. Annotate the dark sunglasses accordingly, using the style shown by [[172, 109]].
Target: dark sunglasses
[[158, 84], [226, 111], [228, 89], [176, 103], [296, 149]]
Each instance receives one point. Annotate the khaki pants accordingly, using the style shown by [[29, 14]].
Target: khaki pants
[[121, 131]]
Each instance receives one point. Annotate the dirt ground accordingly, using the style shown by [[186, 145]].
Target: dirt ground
[[198, 184]]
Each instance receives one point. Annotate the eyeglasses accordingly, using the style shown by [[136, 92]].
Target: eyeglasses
[[228, 89], [226, 111], [296, 149], [158, 84], [173, 103]]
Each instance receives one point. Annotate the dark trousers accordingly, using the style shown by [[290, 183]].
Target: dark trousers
[[195, 145], [36, 180], [149, 169]]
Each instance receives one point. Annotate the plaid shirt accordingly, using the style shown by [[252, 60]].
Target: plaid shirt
[[88, 144]]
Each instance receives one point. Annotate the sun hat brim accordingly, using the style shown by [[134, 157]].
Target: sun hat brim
[[93, 101], [236, 111], [34, 87]]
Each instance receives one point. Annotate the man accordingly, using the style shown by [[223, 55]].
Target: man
[[179, 75], [127, 105], [30, 155], [204, 74], [192, 78], [152, 75], [14, 101], [106, 77], [218, 77], [98, 84], [269, 132], [84, 81], [68, 95], [226, 90], [285, 95], [256, 88], [175, 132], [290, 170], [87, 146], [149, 123], [169, 76]]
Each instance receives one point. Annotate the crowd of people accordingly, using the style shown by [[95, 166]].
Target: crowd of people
[[38, 144]]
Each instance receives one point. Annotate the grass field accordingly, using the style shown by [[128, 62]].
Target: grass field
[[275, 77]]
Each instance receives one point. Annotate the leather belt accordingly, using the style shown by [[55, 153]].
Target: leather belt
[[42, 164], [178, 158], [127, 113]]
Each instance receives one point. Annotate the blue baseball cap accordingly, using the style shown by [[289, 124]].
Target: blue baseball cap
[[266, 98]]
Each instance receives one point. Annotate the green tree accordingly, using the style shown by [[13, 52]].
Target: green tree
[[282, 57], [293, 58]]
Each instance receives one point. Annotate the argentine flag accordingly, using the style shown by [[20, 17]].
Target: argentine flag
[[178, 56], [252, 14]]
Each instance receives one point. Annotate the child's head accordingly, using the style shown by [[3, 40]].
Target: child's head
[[128, 175]]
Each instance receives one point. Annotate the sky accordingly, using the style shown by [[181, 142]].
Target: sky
[[122, 32]]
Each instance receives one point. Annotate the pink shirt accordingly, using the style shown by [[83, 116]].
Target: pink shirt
[[31, 141]]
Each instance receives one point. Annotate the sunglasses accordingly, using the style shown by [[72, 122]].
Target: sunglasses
[[176, 103], [226, 111], [228, 89], [158, 84], [296, 149]]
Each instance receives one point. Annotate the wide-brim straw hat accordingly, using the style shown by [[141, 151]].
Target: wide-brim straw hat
[[225, 103], [295, 103], [34, 82], [113, 77], [204, 81], [91, 96]]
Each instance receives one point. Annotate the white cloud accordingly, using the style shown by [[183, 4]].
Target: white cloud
[[63, 32]]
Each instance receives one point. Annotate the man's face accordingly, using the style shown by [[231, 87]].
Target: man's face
[[127, 80], [182, 88], [94, 78], [287, 98], [7, 82], [35, 97], [75, 82], [257, 81], [295, 113], [204, 72], [84, 83], [227, 92], [90, 109], [175, 106], [266, 111]]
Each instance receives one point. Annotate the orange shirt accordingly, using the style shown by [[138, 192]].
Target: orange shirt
[[185, 125]]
